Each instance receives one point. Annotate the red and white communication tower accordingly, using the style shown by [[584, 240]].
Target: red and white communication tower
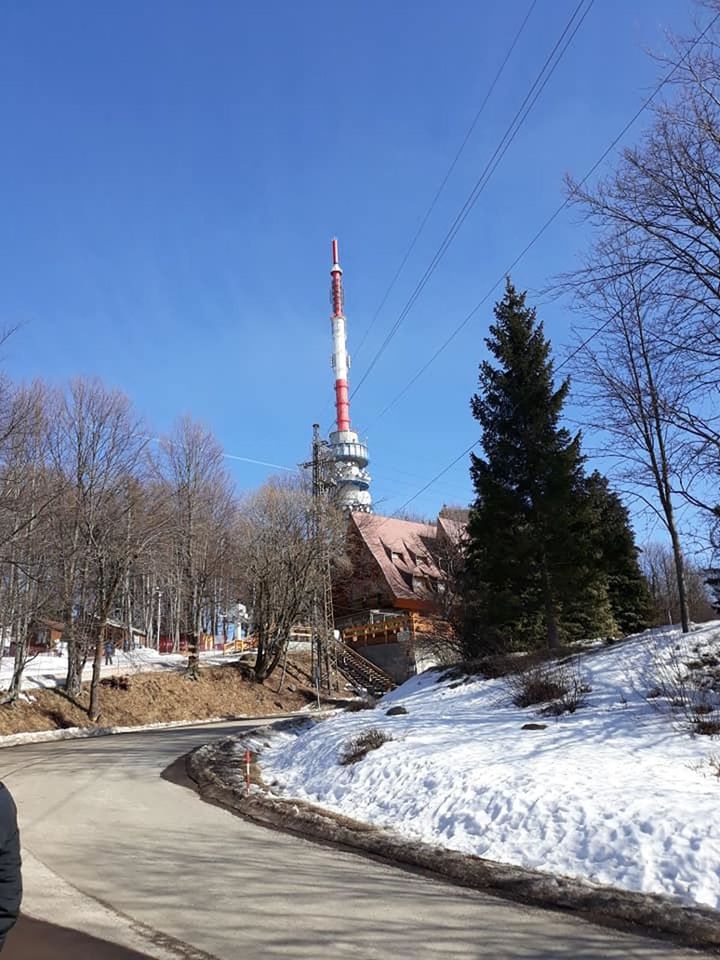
[[347, 456]]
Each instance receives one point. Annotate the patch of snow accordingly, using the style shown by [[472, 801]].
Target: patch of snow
[[49, 670], [617, 793]]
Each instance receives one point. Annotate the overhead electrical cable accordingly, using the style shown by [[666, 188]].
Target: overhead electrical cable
[[448, 174], [571, 356], [430, 483], [547, 70], [446, 178], [550, 220]]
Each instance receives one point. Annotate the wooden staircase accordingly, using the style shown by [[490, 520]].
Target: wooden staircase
[[360, 672]]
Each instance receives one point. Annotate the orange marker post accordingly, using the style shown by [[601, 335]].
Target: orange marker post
[[248, 759]]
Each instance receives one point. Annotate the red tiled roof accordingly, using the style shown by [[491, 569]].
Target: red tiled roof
[[454, 530], [401, 547]]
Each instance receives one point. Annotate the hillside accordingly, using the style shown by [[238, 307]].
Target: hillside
[[623, 791], [158, 693]]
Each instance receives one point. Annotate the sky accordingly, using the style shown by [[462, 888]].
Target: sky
[[172, 174]]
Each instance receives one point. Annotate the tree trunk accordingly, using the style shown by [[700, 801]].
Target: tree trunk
[[192, 671], [94, 708], [22, 645], [21, 656], [261, 657], [75, 664], [680, 575], [176, 630], [550, 614]]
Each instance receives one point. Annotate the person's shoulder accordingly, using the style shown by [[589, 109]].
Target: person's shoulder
[[7, 805]]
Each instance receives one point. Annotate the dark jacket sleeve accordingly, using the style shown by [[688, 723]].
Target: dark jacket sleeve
[[10, 879]]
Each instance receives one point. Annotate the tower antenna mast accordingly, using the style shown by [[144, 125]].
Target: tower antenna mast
[[347, 454]]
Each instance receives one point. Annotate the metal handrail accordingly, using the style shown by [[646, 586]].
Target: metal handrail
[[365, 667]]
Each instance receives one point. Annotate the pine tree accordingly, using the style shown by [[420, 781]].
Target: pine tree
[[627, 586], [532, 574]]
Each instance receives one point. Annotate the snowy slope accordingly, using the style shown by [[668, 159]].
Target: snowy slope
[[620, 792], [48, 670]]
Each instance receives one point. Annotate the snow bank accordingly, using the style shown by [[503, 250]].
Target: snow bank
[[617, 793]]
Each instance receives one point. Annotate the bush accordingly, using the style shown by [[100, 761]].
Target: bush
[[690, 688], [361, 703], [360, 746], [559, 686], [706, 728], [489, 667]]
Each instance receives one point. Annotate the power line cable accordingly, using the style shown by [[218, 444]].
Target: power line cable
[[603, 326], [431, 482], [448, 174], [547, 70], [544, 227], [550, 220], [446, 178], [521, 115]]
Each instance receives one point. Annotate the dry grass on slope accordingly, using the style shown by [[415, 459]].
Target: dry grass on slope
[[158, 697]]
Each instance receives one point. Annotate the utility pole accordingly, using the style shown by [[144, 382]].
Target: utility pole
[[322, 610]]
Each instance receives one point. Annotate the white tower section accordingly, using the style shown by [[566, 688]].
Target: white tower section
[[347, 455]]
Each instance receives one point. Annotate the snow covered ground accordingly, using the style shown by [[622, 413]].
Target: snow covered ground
[[621, 792], [50, 671]]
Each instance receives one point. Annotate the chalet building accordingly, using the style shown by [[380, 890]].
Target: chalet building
[[44, 635], [396, 591], [124, 637]]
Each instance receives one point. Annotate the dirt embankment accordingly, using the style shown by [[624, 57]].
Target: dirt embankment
[[158, 697]]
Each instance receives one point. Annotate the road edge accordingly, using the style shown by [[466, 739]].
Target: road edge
[[214, 770], [81, 733]]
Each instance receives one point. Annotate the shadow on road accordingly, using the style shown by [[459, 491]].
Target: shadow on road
[[125, 837], [36, 940]]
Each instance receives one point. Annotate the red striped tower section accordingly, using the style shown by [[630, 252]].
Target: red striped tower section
[[340, 357], [347, 453]]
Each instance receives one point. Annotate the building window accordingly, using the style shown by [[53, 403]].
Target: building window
[[392, 554]]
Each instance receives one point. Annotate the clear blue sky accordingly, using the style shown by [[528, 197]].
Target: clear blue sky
[[172, 173]]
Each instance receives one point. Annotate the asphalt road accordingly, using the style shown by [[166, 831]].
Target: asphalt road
[[115, 854]]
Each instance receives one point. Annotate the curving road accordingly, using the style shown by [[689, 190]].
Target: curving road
[[133, 860]]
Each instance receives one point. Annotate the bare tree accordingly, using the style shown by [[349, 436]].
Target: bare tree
[[130, 525], [97, 445], [282, 555], [27, 494], [201, 502], [658, 565], [661, 208], [631, 382], [91, 527]]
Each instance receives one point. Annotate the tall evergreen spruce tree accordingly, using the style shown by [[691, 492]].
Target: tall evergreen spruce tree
[[533, 573], [628, 590]]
